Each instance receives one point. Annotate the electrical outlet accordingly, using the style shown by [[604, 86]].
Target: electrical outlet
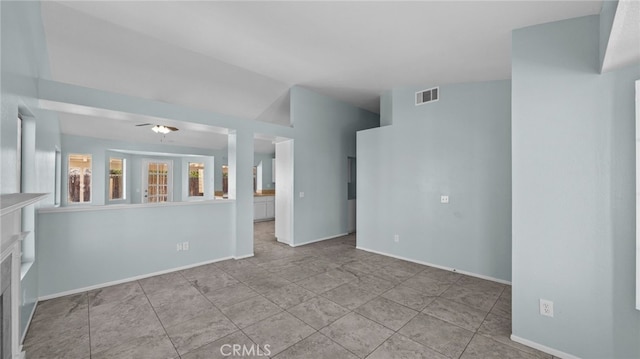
[[301, 194], [185, 246], [444, 199], [396, 238], [179, 247], [546, 308]]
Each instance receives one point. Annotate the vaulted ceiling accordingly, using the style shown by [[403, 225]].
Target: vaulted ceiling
[[241, 58]]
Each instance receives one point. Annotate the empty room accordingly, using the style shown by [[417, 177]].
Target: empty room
[[320, 179]]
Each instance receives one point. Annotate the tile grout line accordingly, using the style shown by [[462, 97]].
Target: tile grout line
[[483, 320], [356, 272], [220, 310], [89, 323], [422, 312], [286, 311], [236, 325], [273, 315], [157, 317]]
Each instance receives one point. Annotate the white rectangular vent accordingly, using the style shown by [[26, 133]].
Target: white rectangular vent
[[425, 96]]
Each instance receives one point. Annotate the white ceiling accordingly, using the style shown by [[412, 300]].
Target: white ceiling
[[623, 48], [240, 58]]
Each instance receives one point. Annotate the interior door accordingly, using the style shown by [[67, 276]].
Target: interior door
[[157, 179]]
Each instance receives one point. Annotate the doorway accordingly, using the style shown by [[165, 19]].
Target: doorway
[[157, 181]]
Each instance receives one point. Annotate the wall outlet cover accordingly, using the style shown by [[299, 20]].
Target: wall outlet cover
[[444, 199], [546, 308]]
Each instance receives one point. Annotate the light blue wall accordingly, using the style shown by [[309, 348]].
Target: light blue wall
[[97, 246], [386, 108], [240, 149], [573, 193], [24, 60], [221, 158], [458, 146], [325, 135], [101, 150]]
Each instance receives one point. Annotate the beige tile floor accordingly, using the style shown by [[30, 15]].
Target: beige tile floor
[[323, 300]]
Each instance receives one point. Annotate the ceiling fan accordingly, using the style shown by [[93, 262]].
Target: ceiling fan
[[159, 128]]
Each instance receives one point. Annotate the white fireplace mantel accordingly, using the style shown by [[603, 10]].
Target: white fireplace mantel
[[14, 201], [11, 236]]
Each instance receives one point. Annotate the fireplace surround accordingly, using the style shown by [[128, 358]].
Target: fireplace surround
[[11, 206]]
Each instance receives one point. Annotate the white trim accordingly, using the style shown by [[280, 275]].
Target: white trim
[[14, 201], [318, 240], [130, 279], [481, 276], [244, 256], [131, 206], [637, 103], [21, 353], [543, 348], [145, 178], [15, 299]]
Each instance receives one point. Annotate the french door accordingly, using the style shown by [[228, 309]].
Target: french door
[[157, 180]]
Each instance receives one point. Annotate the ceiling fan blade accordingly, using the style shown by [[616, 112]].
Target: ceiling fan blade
[[144, 124], [172, 128]]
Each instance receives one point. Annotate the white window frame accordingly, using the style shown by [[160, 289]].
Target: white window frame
[[124, 180], [91, 191], [202, 179]]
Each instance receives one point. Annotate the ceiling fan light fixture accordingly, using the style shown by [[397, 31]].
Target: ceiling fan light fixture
[[160, 129]]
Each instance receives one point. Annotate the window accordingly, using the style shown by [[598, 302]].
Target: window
[[196, 179], [79, 178], [58, 178], [225, 180], [117, 169]]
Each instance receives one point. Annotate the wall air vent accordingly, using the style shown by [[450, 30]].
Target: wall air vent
[[425, 96]]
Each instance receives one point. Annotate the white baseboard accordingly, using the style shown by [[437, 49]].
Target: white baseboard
[[543, 348], [318, 240], [244, 256], [130, 279], [481, 276]]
